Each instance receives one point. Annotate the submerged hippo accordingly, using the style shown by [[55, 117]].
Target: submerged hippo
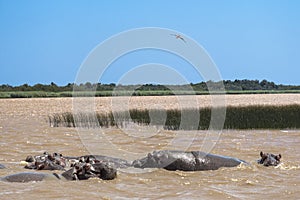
[[57, 161], [2, 166], [196, 160], [46, 161], [116, 162], [81, 171], [24, 177], [185, 161], [268, 159]]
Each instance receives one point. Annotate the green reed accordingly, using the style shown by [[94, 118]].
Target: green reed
[[247, 117], [263, 117]]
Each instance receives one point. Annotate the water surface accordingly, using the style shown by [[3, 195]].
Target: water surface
[[24, 130]]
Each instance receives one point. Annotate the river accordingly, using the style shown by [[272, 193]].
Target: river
[[24, 130]]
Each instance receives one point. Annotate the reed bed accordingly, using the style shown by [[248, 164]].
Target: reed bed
[[247, 117]]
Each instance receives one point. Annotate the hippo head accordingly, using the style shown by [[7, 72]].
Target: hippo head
[[148, 161], [268, 159], [105, 171], [46, 162], [157, 159], [86, 170], [58, 159], [82, 171]]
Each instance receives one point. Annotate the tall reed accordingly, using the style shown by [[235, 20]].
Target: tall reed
[[248, 117]]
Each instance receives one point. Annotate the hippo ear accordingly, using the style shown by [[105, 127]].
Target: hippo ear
[[88, 160], [150, 155], [29, 159], [261, 154], [81, 159], [278, 157]]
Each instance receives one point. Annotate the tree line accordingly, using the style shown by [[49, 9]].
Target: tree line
[[236, 85]]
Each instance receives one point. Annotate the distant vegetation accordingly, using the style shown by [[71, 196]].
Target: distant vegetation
[[98, 89], [248, 117]]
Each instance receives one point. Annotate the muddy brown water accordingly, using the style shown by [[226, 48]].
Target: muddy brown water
[[24, 130]]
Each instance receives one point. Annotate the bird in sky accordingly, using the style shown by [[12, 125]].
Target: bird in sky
[[177, 36]]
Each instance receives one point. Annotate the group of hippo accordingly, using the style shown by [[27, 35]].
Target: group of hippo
[[104, 167]]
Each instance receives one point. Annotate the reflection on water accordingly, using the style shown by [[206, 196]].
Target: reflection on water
[[24, 131]]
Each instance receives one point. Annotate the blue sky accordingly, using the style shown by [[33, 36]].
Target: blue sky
[[47, 41]]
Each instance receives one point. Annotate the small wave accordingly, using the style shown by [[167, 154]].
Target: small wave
[[243, 166], [290, 131], [285, 166], [19, 191]]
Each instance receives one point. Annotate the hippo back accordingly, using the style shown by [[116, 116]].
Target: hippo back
[[207, 161], [185, 161], [24, 177]]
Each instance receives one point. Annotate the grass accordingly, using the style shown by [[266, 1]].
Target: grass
[[248, 117]]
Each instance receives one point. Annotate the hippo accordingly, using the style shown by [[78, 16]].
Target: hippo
[[116, 162], [268, 159], [57, 161], [24, 177], [185, 161], [83, 171], [80, 171], [197, 160], [46, 162], [2, 166]]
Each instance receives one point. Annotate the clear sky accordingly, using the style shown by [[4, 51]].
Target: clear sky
[[47, 41]]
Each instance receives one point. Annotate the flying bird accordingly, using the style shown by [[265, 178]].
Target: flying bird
[[177, 36]]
